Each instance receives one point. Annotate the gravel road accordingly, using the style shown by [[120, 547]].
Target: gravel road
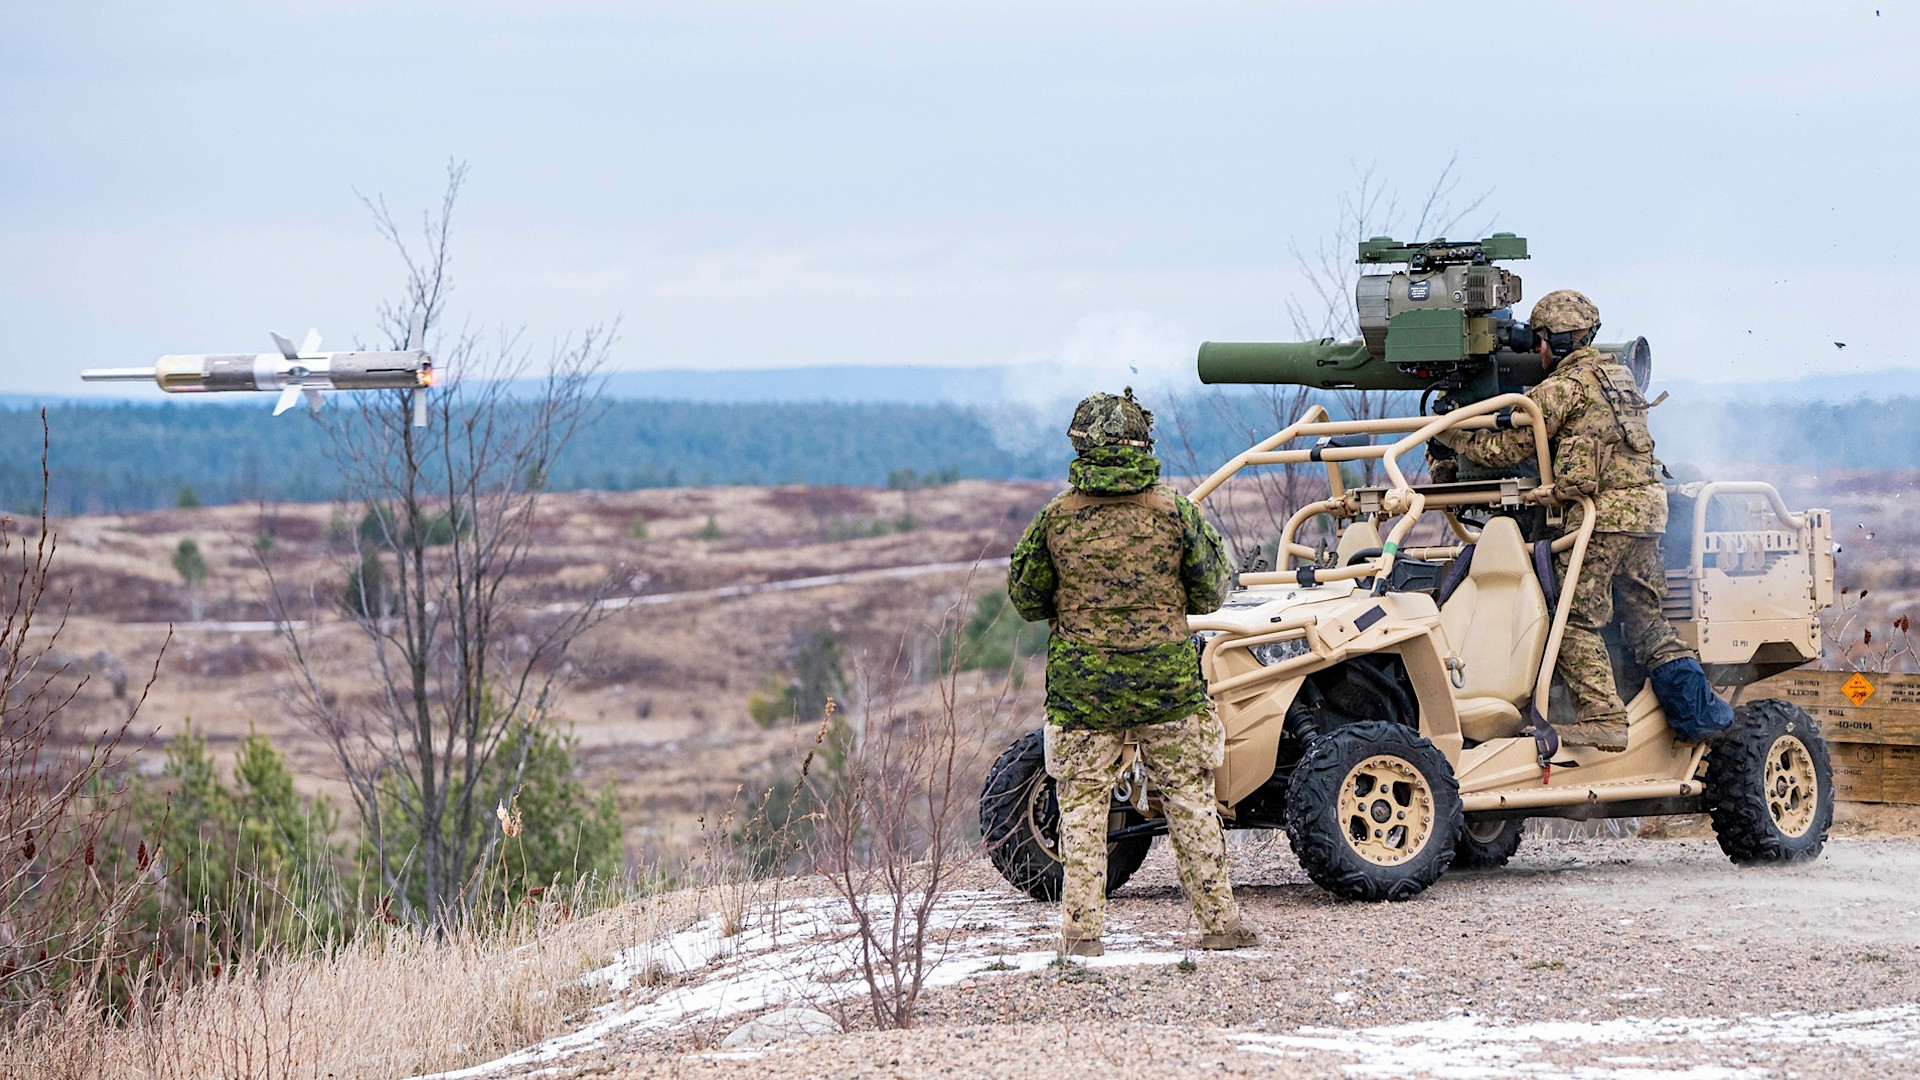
[[1583, 960]]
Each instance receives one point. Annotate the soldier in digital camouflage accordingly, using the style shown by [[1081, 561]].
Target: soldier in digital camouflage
[[1115, 564], [1596, 422]]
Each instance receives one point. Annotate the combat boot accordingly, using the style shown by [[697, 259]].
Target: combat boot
[[1606, 736], [1075, 945], [1240, 937]]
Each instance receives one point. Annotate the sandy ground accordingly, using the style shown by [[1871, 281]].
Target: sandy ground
[[1583, 960]]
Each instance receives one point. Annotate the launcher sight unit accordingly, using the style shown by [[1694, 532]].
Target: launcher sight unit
[[1445, 324]]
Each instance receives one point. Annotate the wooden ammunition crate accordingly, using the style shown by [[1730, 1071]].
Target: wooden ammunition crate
[[1871, 721]]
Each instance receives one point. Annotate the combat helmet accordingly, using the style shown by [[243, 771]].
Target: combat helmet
[[1563, 311], [1111, 420]]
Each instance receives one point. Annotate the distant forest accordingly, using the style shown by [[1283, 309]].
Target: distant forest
[[139, 456], [115, 457]]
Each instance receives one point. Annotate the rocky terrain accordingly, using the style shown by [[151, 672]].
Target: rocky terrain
[[1649, 959]]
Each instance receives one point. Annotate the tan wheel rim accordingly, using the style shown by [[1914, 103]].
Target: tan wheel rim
[[1486, 832], [1386, 810], [1793, 788], [1043, 820]]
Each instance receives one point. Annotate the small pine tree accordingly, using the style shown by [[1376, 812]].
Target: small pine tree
[[994, 638], [711, 530], [819, 675], [192, 568], [253, 864], [560, 832], [189, 563], [638, 530], [187, 499], [365, 595]]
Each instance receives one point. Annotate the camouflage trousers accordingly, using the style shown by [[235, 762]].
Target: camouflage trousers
[[1622, 572], [1179, 758]]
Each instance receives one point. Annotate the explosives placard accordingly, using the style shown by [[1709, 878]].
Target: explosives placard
[[1857, 689], [1851, 706], [1871, 721]]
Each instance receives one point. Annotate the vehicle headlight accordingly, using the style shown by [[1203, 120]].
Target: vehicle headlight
[[1273, 652]]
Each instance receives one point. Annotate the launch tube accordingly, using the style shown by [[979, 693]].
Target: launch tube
[[1326, 364]]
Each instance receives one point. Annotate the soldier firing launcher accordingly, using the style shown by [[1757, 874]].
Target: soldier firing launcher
[[1444, 324]]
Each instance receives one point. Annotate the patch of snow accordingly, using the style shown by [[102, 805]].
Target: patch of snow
[[806, 953], [1469, 1047]]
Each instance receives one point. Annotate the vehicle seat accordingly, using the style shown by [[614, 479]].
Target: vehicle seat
[[1358, 536], [1496, 621]]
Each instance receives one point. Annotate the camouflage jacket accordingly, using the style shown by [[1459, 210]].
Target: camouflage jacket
[[1596, 432], [1115, 564]]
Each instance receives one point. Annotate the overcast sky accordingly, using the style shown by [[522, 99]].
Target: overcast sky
[[963, 183]]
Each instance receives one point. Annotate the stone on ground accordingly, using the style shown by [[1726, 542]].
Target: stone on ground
[[781, 1025]]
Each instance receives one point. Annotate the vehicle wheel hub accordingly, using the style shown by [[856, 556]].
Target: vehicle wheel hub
[[1792, 786], [1386, 809]]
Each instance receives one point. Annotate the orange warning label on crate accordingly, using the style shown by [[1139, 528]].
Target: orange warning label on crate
[[1857, 689]]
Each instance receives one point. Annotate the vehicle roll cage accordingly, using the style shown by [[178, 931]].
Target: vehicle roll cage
[[1406, 501]]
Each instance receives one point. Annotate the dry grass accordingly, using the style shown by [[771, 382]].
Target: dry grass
[[387, 1005]]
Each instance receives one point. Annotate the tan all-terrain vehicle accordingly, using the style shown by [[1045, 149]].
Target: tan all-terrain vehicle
[[1377, 697]]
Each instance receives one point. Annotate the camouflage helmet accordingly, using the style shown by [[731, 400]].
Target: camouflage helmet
[[1562, 311], [1111, 420]]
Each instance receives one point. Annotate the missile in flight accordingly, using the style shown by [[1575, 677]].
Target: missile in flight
[[294, 374]]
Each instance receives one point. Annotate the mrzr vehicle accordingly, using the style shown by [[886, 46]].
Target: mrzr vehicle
[[1375, 698]]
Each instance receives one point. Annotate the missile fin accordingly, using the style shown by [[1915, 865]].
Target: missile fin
[[286, 347], [311, 346], [419, 408], [313, 399], [417, 331], [287, 397]]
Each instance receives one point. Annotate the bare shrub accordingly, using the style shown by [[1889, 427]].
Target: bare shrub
[[893, 829], [1863, 637], [67, 927]]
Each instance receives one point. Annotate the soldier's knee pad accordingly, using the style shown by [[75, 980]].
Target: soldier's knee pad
[[1693, 710]]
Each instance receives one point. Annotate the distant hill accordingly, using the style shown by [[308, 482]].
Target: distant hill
[[925, 384], [841, 425], [907, 384], [1835, 387]]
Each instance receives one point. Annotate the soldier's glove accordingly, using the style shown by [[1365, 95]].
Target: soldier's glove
[[1443, 465]]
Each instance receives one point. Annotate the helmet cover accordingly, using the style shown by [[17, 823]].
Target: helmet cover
[[1111, 420], [1562, 311]]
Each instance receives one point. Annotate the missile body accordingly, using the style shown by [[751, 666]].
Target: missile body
[[293, 373]]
